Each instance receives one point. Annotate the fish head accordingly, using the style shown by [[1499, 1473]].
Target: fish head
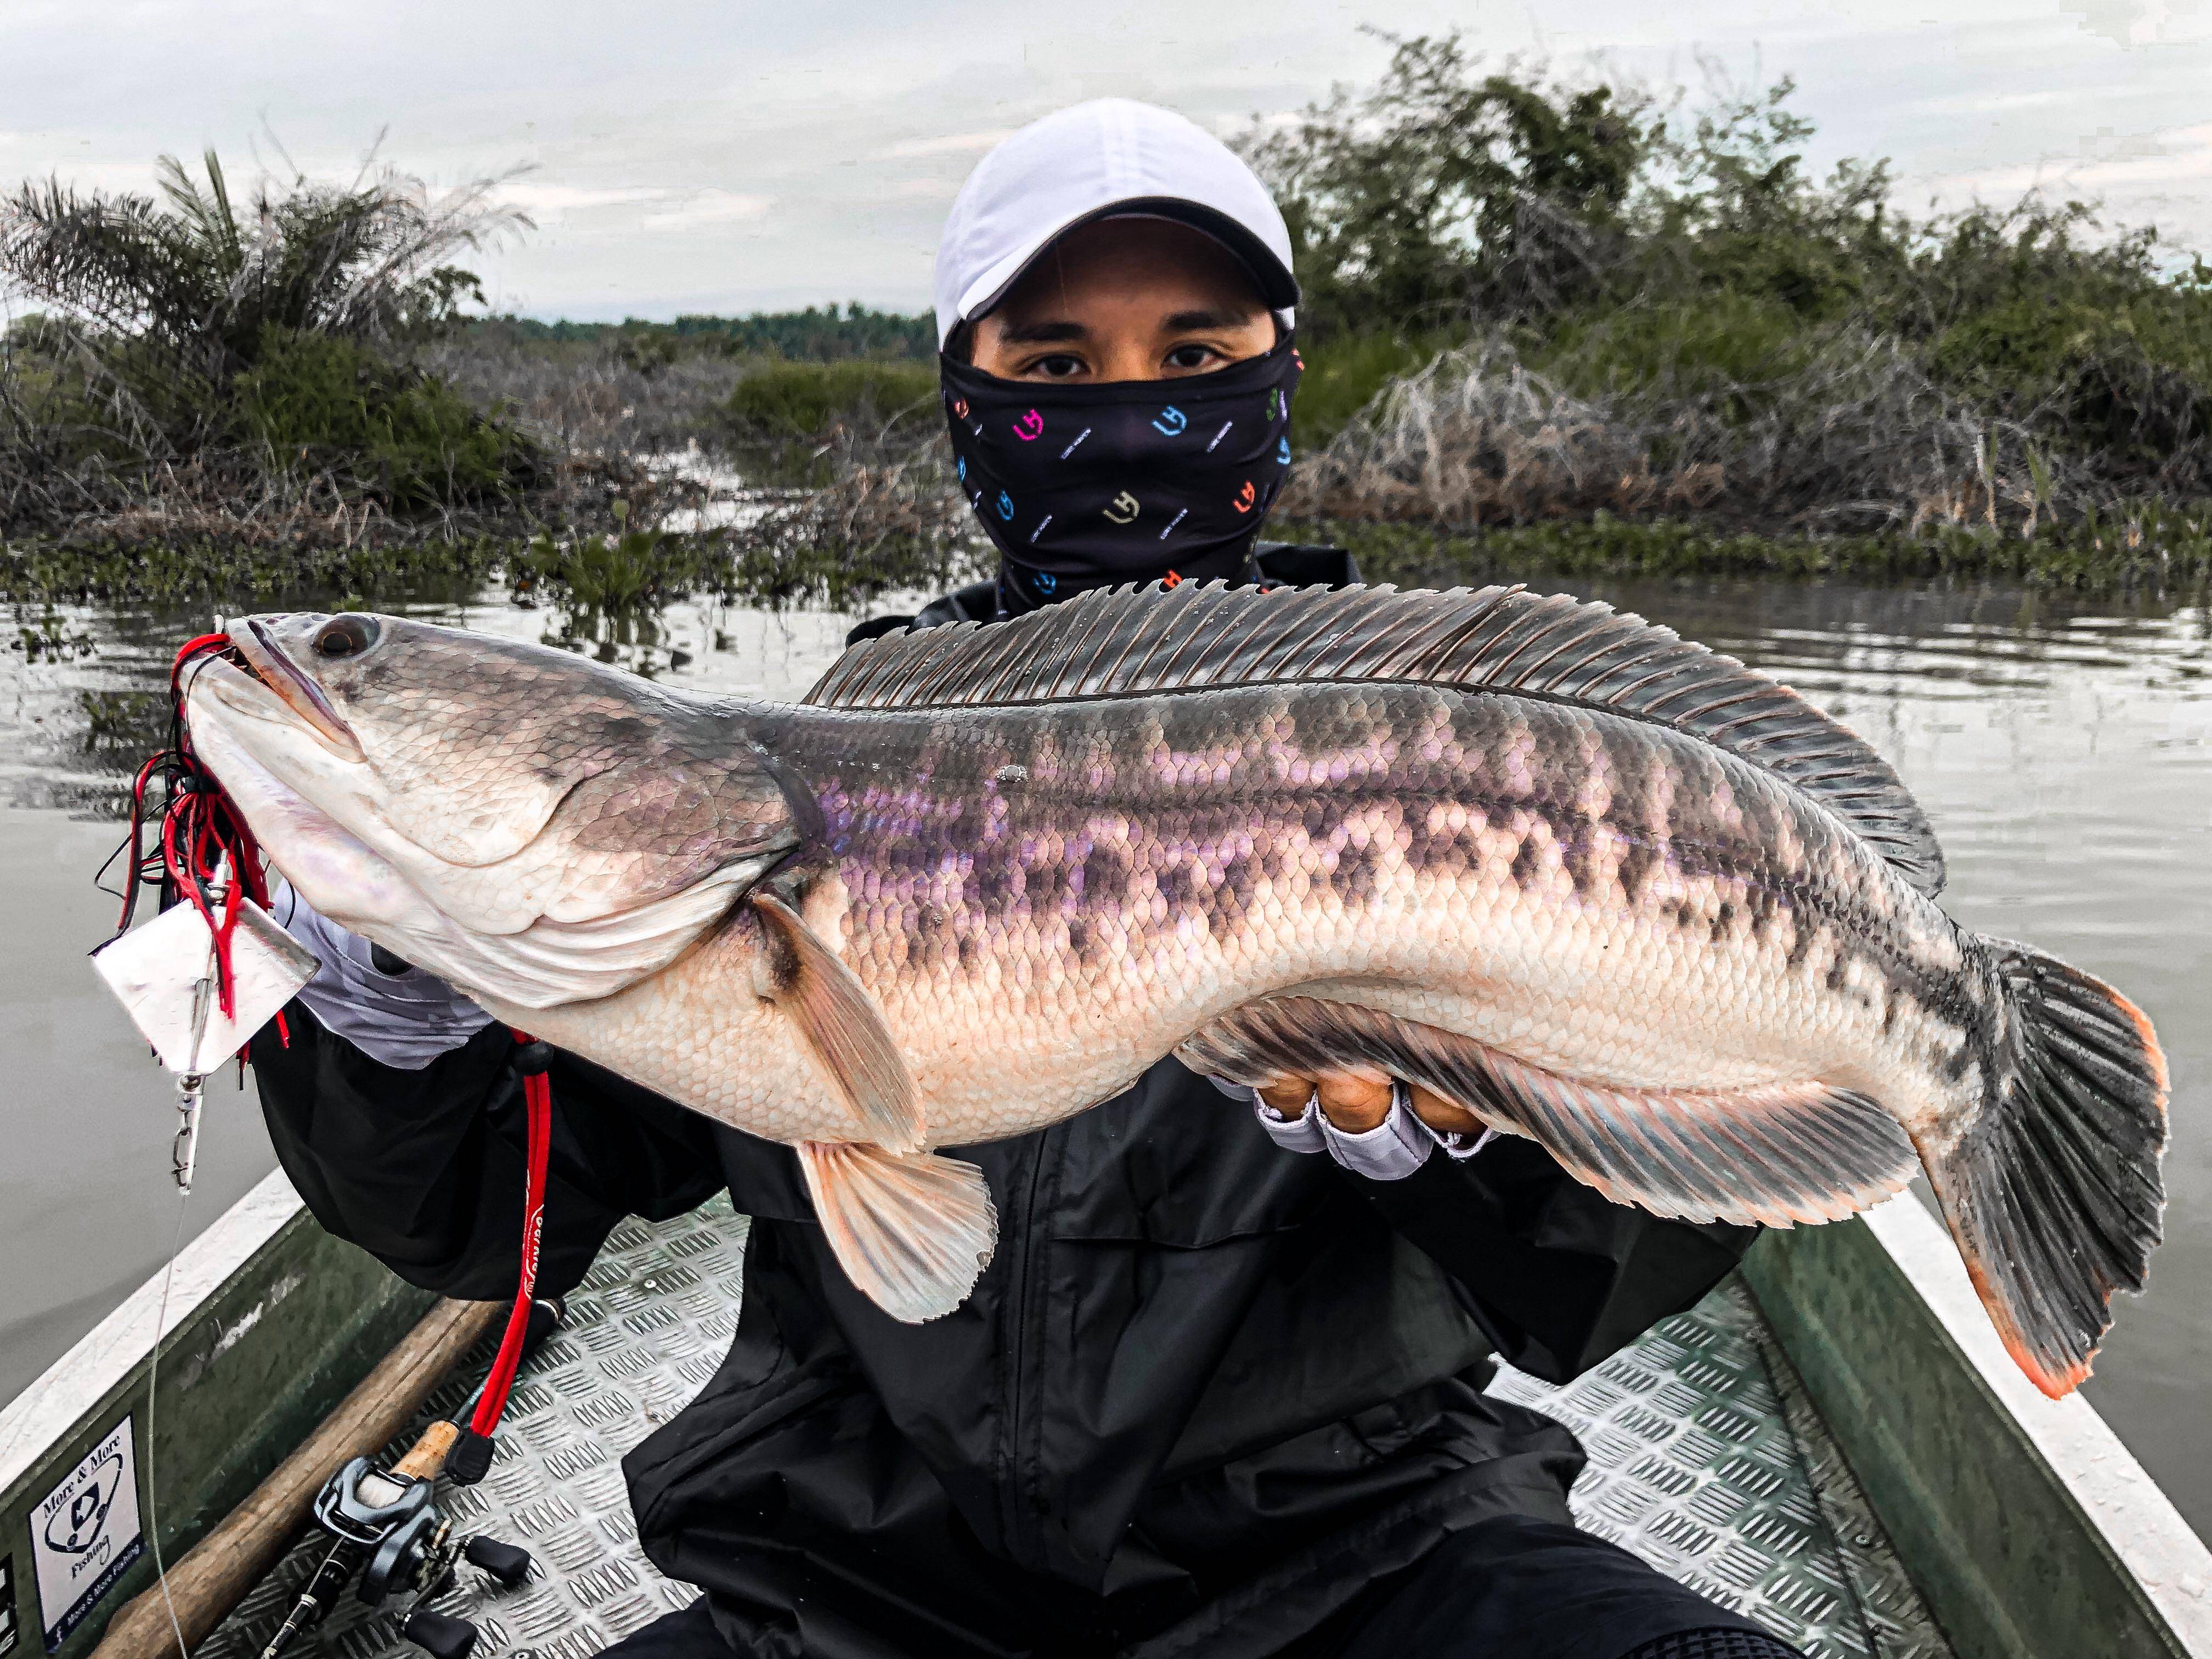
[[533, 826]]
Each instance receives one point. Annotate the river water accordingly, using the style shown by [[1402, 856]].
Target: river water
[[2063, 748]]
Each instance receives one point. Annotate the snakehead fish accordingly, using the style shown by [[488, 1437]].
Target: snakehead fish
[[1596, 884]]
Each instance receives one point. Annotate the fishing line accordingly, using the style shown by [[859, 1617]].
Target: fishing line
[[152, 1460], [203, 854]]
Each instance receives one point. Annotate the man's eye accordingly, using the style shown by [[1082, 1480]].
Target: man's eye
[[1059, 366], [1192, 356]]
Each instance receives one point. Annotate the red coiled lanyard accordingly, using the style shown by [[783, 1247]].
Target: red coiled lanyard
[[538, 1104]]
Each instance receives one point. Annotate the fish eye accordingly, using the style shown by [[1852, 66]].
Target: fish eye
[[345, 636]]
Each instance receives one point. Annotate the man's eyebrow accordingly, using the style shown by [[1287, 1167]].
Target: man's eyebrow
[[1178, 322], [1042, 333]]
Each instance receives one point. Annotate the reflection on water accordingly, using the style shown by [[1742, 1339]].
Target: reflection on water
[[2063, 748]]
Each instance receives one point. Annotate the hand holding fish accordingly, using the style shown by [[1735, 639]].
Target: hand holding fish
[[1568, 876], [1358, 1101]]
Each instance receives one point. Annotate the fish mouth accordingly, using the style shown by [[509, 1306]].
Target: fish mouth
[[264, 662]]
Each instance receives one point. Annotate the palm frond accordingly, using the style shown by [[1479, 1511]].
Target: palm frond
[[189, 271]]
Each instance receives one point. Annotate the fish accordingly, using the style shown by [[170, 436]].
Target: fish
[[1593, 884]]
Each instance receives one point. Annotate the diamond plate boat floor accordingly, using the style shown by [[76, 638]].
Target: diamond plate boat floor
[[1705, 1458]]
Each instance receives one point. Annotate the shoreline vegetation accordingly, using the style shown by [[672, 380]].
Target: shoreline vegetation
[[1630, 334]]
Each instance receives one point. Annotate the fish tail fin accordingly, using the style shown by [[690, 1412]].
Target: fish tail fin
[[2053, 1192]]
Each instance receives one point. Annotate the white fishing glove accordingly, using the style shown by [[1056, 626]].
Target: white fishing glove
[[1391, 1150], [405, 1020]]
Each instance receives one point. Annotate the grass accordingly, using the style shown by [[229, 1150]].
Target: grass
[[783, 402], [227, 571], [1344, 376]]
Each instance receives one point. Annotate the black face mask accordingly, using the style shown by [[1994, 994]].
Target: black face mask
[[1131, 481]]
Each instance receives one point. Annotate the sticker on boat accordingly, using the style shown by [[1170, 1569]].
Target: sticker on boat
[[8, 1630], [85, 1534]]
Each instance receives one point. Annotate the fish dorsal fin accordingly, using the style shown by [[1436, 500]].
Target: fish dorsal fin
[[1143, 641]]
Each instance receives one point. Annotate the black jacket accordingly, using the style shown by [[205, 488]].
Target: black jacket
[[1206, 1392]]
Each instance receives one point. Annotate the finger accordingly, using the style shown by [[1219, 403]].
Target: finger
[[1286, 1097], [1446, 1117], [1355, 1101]]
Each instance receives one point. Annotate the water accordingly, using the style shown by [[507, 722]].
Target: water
[[2063, 748]]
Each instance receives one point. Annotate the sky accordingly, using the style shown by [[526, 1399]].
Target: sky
[[727, 156]]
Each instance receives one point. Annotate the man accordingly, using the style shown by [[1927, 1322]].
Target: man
[[1219, 1391]]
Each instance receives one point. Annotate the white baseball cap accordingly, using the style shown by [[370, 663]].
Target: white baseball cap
[[1093, 160]]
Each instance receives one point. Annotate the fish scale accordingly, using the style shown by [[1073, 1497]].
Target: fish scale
[[1154, 864], [1575, 878]]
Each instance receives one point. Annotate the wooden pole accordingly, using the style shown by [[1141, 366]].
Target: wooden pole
[[215, 1576]]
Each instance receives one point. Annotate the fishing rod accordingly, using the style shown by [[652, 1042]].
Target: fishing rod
[[385, 1522]]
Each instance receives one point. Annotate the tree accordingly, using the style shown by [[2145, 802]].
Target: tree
[[1440, 191], [188, 281]]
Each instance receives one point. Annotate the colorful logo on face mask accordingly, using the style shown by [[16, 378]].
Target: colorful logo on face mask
[[1030, 426], [960, 407], [1282, 451], [961, 467], [1127, 505], [1045, 582], [1170, 420], [1299, 361], [1006, 504], [1274, 401], [1243, 499]]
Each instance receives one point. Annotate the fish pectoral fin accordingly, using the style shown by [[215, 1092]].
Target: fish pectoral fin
[[914, 1233], [1775, 1155], [841, 1025]]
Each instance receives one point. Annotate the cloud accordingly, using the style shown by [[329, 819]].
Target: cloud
[[710, 207], [2177, 155], [775, 153], [950, 144], [549, 203]]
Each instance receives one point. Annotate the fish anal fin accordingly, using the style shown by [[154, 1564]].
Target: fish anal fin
[[914, 1233], [1777, 1155], [841, 1025]]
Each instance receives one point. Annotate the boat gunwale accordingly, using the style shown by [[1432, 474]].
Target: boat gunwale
[[113, 1352], [2114, 1504]]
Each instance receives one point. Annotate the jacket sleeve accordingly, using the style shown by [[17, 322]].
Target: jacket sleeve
[[424, 1169], [1559, 1275]]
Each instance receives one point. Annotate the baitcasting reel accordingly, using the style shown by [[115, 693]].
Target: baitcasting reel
[[385, 1524]]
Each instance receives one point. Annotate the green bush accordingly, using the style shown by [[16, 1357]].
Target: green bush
[[1678, 261], [1728, 350], [319, 402], [790, 403], [1345, 371]]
